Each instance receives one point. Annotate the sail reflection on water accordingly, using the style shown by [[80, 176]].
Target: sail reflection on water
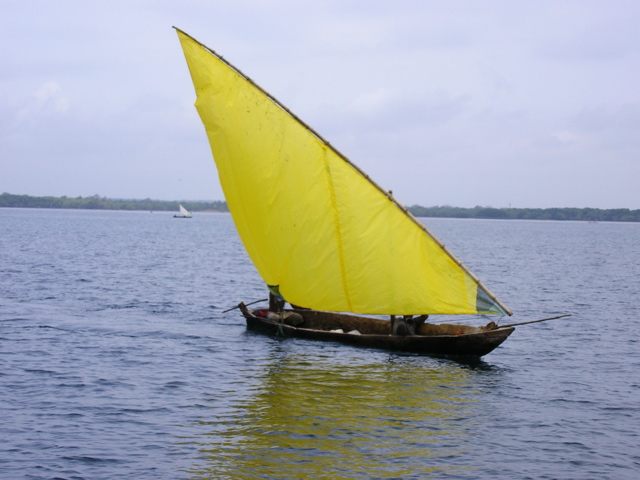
[[310, 417]]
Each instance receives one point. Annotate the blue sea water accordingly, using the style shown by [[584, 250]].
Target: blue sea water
[[117, 361]]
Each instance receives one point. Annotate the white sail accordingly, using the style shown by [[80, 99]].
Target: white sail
[[184, 213]]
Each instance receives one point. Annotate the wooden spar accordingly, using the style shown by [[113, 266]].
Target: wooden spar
[[251, 303], [534, 321], [386, 193]]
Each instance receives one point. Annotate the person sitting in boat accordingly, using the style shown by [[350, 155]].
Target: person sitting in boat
[[276, 309], [407, 325], [276, 304], [276, 300]]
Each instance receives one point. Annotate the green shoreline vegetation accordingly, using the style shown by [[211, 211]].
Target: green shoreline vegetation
[[97, 202]]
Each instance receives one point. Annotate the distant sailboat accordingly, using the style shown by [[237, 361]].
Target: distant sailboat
[[324, 236], [184, 213]]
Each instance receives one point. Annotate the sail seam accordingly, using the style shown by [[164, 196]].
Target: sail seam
[[336, 221]]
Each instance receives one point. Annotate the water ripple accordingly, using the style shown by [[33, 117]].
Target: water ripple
[[119, 363]]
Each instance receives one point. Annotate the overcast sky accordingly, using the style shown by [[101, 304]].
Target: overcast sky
[[494, 103]]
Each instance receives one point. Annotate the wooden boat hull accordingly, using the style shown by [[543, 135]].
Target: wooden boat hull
[[441, 340]]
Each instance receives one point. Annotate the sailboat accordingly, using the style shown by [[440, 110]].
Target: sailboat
[[352, 262], [184, 213]]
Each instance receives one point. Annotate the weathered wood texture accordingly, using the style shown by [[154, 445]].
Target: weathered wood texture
[[443, 339]]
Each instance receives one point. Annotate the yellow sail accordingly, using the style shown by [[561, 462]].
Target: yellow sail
[[313, 224]]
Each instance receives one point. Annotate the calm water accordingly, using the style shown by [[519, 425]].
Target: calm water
[[117, 361]]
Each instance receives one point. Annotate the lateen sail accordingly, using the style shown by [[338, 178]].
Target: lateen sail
[[313, 223], [183, 211]]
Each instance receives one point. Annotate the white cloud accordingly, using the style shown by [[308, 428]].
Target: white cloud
[[566, 137], [46, 102], [371, 102]]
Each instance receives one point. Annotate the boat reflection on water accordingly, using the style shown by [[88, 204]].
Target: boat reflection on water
[[322, 417]]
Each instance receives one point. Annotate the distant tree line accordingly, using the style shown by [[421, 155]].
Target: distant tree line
[[97, 202], [576, 214], [101, 203]]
